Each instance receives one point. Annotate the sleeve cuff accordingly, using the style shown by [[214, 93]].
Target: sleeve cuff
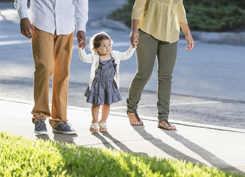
[[134, 17], [131, 48], [81, 27], [184, 21], [23, 15]]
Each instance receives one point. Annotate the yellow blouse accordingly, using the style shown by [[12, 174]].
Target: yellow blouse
[[160, 18]]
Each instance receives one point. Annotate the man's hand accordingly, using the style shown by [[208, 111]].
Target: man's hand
[[26, 28], [81, 39]]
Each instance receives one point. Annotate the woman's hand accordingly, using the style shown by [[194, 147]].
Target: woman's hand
[[190, 42], [188, 37], [134, 36]]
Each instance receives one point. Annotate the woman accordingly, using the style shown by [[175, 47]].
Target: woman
[[155, 27]]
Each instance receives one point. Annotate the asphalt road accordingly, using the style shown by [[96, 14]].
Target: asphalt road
[[208, 83]]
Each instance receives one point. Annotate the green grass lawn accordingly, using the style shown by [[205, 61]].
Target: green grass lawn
[[23, 157]]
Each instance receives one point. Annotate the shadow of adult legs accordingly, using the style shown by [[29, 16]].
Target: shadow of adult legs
[[43, 137], [208, 156], [104, 141], [164, 147], [65, 138], [122, 146]]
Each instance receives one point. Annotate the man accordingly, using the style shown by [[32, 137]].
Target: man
[[51, 28]]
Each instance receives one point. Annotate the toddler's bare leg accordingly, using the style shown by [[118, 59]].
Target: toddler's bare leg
[[105, 113], [95, 113]]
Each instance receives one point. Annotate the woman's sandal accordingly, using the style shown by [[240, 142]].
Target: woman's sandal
[[169, 125], [94, 127], [103, 125], [139, 123]]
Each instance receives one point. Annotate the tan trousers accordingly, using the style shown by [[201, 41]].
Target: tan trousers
[[52, 56]]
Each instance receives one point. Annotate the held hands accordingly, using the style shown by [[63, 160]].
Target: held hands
[[26, 28], [134, 36], [81, 39], [190, 42]]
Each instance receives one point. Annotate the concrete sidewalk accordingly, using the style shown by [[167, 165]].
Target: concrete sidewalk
[[212, 146]]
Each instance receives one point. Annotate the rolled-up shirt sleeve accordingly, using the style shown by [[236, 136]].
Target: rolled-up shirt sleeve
[[138, 9], [182, 13], [81, 14], [21, 7]]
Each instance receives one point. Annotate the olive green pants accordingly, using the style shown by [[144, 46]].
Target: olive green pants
[[147, 50]]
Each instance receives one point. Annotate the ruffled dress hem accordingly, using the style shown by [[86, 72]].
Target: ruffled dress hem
[[104, 89]]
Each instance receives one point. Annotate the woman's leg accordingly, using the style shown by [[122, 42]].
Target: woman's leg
[[95, 113], [166, 55], [105, 113], [146, 55]]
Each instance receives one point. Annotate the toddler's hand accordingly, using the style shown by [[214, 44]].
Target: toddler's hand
[[135, 44], [80, 45]]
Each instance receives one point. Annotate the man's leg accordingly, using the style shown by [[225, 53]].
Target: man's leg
[[63, 46], [42, 49]]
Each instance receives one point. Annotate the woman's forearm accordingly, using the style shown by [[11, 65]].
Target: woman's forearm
[[188, 36], [134, 25], [185, 28]]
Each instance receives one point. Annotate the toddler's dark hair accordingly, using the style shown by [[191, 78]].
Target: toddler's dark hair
[[96, 39]]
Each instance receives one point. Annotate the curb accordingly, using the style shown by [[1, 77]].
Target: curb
[[234, 38], [146, 118], [237, 38], [114, 24]]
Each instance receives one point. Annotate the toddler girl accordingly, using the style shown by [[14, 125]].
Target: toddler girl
[[104, 77]]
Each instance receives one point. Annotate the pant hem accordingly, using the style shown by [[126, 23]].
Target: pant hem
[[161, 119], [35, 118]]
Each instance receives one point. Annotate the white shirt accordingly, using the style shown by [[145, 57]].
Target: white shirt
[[51, 15], [94, 59]]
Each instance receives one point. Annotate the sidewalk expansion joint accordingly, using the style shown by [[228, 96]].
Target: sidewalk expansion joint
[[117, 142]]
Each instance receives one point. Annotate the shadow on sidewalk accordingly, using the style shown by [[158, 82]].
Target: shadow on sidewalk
[[122, 146], [43, 137], [118, 143], [206, 155], [59, 137], [104, 141], [164, 147], [65, 138]]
